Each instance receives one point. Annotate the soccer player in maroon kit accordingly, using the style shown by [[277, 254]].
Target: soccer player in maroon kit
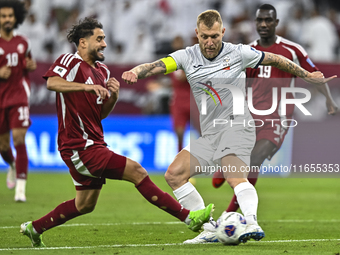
[[269, 138], [15, 63], [85, 95]]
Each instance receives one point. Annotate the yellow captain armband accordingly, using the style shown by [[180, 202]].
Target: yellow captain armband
[[170, 64]]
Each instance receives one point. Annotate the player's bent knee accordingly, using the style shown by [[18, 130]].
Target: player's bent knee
[[174, 175], [233, 182], [86, 208], [257, 159], [134, 172]]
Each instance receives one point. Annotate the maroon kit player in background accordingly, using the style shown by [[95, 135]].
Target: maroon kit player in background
[[269, 138], [181, 100], [15, 63], [85, 95]]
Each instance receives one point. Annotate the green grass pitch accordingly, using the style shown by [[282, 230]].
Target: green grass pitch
[[299, 216]]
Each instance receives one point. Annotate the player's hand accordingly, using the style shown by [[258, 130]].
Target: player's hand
[[130, 77], [318, 78], [113, 86], [332, 107], [98, 90], [31, 65], [5, 72]]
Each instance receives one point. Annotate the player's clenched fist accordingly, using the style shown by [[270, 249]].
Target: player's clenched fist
[[98, 90], [113, 85], [130, 77], [5, 72]]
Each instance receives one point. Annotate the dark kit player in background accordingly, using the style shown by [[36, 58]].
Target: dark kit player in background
[[269, 138], [15, 63]]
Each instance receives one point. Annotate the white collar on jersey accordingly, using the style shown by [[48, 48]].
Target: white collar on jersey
[[278, 40], [76, 55]]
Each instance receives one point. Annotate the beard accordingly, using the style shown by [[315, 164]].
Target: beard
[[7, 28], [94, 54]]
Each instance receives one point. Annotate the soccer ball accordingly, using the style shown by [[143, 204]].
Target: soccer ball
[[229, 227]]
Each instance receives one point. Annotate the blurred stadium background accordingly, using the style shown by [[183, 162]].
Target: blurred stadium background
[[139, 31]]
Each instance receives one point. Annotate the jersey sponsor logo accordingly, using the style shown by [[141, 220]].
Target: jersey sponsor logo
[[2, 51], [60, 70], [21, 48], [197, 66]]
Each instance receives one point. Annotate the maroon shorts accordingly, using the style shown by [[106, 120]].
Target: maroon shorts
[[89, 168], [16, 116], [273, 132]]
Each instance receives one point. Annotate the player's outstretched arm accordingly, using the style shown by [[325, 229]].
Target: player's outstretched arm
[[143, 71], [58, 84], [289, 66], [113, 86]]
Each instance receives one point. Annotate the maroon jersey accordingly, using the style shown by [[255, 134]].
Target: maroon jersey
[[79, 121], [264, 78], [181, 90], [16, 89]]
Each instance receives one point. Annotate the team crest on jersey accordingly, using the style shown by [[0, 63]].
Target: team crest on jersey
[[226, 59], [226, 64], [2, 52], [60, 70], [21, 48]]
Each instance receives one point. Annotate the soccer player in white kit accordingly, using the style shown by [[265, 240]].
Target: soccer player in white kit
[[207, 65]]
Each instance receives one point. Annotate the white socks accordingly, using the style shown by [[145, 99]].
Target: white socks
[[188, 196], [248, 201]]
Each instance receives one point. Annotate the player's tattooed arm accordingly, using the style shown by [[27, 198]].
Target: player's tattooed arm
[[289, 66], [143, 71], [284, 64]]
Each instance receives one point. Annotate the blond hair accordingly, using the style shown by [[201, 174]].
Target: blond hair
[[209, 17]]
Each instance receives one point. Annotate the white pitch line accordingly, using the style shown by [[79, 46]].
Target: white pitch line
[[108, 224], [173, 223], [151, 245]]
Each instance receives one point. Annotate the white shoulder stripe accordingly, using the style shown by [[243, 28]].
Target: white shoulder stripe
[[62, 60], [66, 59], [68, 63], [298, 46]]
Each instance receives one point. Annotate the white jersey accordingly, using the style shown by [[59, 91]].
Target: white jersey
[[228, 68]]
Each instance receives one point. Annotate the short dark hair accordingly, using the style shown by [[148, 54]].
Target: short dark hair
[[83, 29], [19, 10], [268, 7]]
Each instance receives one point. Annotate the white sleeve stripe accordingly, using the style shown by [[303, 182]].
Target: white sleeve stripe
[[68, 63], [66, 59], [28, 47], [63, 107], [72, 74], [108, 73], [62, 60], [294, 56], [298, 46]]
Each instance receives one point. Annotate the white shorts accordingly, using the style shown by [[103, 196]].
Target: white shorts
[[210, 149]]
